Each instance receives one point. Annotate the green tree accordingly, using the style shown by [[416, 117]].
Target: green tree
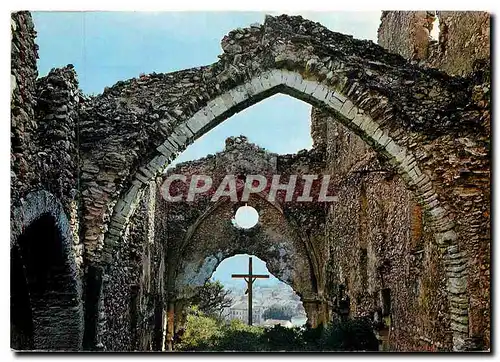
[[211, 298], [207, 333], [238, 336], [311, 337], [201, 333], [278, 312]]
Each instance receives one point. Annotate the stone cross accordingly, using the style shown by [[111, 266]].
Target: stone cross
[[250, 278]]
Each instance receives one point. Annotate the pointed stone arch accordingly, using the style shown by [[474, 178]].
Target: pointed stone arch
[[391, 104], [310, 252], [313, 92], [376, 134], [277, 241]]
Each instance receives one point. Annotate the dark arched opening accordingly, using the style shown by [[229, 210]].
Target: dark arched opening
[[45, 305], [21, 334]]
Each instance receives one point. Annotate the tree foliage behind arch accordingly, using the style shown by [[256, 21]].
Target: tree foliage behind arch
[[284, 313]]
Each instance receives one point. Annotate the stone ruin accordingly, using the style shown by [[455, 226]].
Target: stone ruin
[[100, 261]]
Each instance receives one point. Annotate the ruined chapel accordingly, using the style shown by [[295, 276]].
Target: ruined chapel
[[101, 262]]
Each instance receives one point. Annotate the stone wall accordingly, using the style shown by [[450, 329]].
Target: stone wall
[[44, 117], [44, 193], [137, 126], [188, 223], [378, 217], [46, 287], [23, 94], [464, 38], [378, 226], [57, 105], [198, 235], [133, 284], [463, 49], [58, 100]]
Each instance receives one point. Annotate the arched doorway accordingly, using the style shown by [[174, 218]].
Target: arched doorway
[[239, 309], [46, 307], [269, 295]]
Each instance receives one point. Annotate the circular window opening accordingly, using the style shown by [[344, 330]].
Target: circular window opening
[[246, 217]]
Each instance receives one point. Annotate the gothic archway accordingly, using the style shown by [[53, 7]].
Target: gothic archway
[[276, 239], [321, 96]]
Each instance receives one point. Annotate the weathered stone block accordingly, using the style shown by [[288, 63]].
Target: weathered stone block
[[309, 86], [370, 128], [179, 137], [132, 194], [437, 212], [459, 327], [119, 206], [251, 88], [335, 103], [146, 172], [183, 128], [267, 81], [458, 311], [159, 161], [114, 231], [456, 269], [217, 107], [239, 94], [227, 100], [322, 93], [457, 285], [276, 77], [257, 86], [164, 151], [453, 254], [340, 96], [196, 122], [291, 79], [392, 148], [346, 109], [141, 178], [112, 241], [174, 141]]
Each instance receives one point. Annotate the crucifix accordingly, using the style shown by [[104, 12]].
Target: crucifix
[[250, 278]]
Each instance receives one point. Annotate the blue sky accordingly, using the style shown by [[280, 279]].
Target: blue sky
[[106, 47], [238, 264]]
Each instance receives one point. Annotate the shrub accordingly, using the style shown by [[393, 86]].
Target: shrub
[[201, 332], [238, 336], [207, 333], [280, 338], [354, 334]]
